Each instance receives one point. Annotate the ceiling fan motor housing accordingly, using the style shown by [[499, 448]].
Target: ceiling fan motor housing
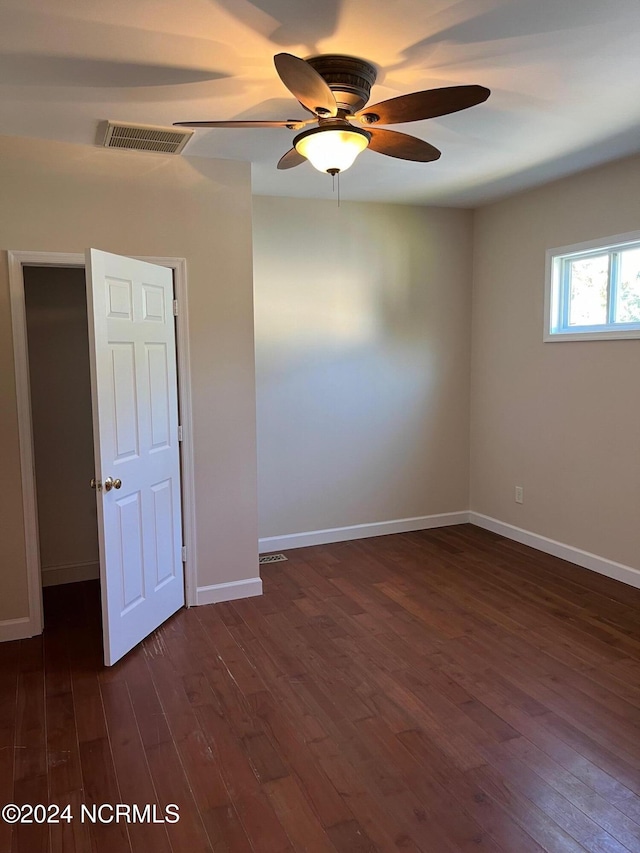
[[349, 78]]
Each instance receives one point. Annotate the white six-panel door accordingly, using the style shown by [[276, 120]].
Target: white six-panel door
[[135, 423]]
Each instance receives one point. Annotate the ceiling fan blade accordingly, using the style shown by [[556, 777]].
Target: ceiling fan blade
[[290, 159], [401, 145], [292, 124], [306, 84], [421, 105]]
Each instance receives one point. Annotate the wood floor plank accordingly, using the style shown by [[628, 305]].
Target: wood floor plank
[[531, 817], [9, 672], [132, 772], [296, 816], [225, 830], [172, 787], [100, 787], [70, 836], [256, 814], [349, 837], [30, 765], [63, 757], [434, 796], [608, 817], [323, 798]]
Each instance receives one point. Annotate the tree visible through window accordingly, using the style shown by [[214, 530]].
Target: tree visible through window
[[628, 306]]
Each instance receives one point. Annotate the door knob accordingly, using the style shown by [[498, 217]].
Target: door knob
[[109, 484]]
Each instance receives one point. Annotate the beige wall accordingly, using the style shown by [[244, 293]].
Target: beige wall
[[560, 419], [362, 320], [56, 309], [63, 197]]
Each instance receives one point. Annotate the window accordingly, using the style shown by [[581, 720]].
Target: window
[[593, 290]]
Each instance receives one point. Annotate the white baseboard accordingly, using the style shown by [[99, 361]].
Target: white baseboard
[[360, 531], [16, 629], [611, 569], [70, 573], [229, 591]]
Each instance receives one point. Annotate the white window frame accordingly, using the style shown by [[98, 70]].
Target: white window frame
[[556, 327]]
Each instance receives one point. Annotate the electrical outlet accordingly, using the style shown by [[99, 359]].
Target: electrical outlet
[[519, 495]]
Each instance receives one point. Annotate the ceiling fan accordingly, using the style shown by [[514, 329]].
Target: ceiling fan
[[336, 89]]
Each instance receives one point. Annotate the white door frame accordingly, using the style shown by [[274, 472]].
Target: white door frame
[[17, 261]]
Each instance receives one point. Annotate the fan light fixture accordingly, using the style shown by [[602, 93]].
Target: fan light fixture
[[331, 149]]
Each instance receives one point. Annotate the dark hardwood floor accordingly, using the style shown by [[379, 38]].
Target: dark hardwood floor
[[442, 691]]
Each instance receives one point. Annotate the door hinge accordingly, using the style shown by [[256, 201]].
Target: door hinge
[[184, 553], [175, 307], [179, 432]]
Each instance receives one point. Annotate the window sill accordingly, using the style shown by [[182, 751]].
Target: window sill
[[608, 335]]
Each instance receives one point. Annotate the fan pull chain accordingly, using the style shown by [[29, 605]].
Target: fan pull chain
[[335, 173]]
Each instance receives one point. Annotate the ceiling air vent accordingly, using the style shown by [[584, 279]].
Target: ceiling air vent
[[143, 137]]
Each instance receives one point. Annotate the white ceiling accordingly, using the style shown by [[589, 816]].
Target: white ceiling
[[564, 75]]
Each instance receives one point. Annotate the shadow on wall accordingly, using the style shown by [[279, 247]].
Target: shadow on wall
[[361, 424], [341, 299]]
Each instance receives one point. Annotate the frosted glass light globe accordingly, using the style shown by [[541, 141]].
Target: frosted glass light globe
[[331, 149]]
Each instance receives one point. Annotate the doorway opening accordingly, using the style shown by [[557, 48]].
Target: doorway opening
[[60, 390], [50, 324]]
